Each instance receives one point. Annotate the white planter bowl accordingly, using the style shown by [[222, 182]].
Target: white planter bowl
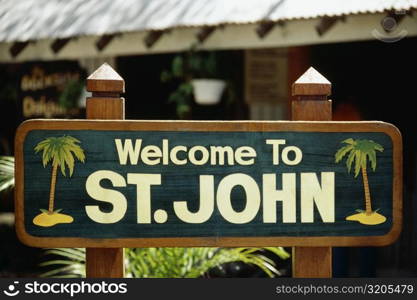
[[208, 91]]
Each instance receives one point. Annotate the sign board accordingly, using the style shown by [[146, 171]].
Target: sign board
[[51, 89], [170, 183], [264, 68]]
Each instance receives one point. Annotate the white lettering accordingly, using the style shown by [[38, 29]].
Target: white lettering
[[224, 201], [97, 192], [322, 196]]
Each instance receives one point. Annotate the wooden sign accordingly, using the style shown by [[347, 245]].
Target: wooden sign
[[167, 183], [264, 69], [50, 89]]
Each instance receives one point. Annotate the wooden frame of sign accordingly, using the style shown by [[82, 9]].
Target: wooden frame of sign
[[209, 126]]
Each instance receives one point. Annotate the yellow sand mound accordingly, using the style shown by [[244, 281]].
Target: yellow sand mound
[[372, 219], [48, 220]]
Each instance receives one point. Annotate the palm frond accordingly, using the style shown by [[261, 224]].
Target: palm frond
[[75, 254], [358, 162], [278, 251], [6, 172], [349, 141], [379, 147], [61, 151], [372, 159], [74, 270], [166, 262], [359, 153], [69, 160], [70, 265], [350, 160], [342, 152], [194, 262]]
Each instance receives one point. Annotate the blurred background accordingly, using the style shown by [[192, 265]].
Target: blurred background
[[244, 54]]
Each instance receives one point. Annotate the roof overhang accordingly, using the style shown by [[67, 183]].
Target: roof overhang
[[275, 23]]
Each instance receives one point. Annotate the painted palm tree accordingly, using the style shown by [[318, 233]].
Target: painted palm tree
[[60, 151], [360, 153]]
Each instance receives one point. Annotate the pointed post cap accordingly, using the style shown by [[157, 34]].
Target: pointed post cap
[[105, 79], [311, 83]]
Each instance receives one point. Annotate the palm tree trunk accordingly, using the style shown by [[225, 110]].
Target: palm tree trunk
[[52, 190], [368, 207]]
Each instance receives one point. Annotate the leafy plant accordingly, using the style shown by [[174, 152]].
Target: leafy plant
[[71, 263], [6, 172], [167, 262], [185, 67], [192, 64], [71, 94], [195, 262]]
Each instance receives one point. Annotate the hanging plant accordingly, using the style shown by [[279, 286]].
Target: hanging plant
[[196, 73]]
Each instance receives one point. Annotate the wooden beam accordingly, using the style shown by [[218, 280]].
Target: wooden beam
[[311, 104], [152, 37], [266, 27], [59, 44], [18, 47], [326, 23], [105, 40], [205, 32], [106, 86]]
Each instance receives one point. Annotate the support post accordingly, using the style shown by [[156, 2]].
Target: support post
[[106, 104], [311, 104]]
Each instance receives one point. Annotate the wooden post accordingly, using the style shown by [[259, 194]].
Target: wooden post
[[105, 103], [311, 104], [298, 62]]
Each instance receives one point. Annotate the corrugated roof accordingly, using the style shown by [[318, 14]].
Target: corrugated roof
[[22, 20]]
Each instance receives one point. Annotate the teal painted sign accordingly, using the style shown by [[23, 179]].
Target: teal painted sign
[[202, 183]]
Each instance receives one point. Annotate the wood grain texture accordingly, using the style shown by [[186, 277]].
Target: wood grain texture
[[105, 79], [102, 262], [311, 83], [207, 126], [312, 262], [311, 109], [105, 263], [112, 108]]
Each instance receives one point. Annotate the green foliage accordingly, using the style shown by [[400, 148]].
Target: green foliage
[[192, 64], [6, 172], [195, 262], [185, 67], [358, 152], [71, 94], [61, 150], [202, 65], [166, 262], [182, 97], [70, 265]]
